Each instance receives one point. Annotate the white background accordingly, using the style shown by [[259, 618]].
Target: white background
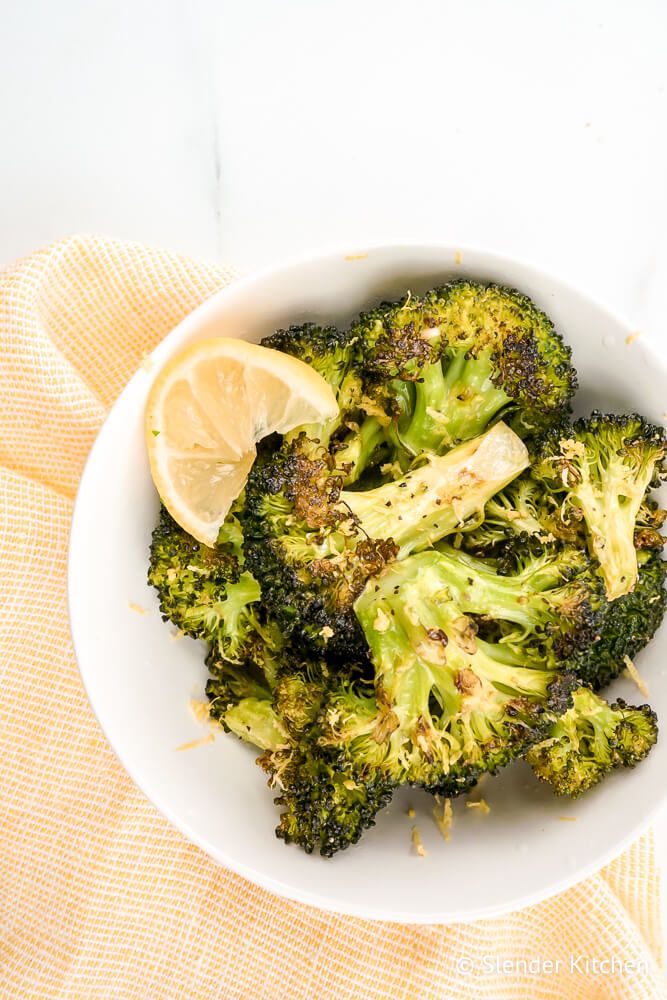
[[256, 130]]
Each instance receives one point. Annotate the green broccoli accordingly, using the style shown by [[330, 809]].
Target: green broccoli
[[397, 598], [590, 740], [356, 438], [600, 470], [207, 592], [313, 545], [522, 518], [627, 624], [324, 805], [466, 354], [446, 706], [554, 598]]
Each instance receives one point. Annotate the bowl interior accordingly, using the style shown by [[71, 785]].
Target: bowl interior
[[140, 681]]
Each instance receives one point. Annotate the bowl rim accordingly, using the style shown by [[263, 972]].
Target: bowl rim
[[188, 324]]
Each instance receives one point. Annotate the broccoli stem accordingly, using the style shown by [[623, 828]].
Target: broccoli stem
[[611, 516], [435, 499], [445, 701], [479, 590], [453, 404], [255, 721], [358, 448]]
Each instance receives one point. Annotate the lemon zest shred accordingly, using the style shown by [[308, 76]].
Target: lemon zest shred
[[417, 843], [443, 816], [209, 738], [137, 608], [635, 676], [200, 709]]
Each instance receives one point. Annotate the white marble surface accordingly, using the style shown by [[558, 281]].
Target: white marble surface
[[257, 130]]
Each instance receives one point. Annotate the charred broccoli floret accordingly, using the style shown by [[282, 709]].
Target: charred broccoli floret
[[446, 706], [324, 805], [207, 592], [590, 740], [554, 598], [628, 623], [313, 545], [454, 360], [185, 572], [522, 518], [600, 470], [355, 438]]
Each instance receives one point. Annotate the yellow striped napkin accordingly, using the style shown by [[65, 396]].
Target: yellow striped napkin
[[99, 896]]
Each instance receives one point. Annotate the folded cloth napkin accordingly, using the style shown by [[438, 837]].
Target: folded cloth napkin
[[99, 895]]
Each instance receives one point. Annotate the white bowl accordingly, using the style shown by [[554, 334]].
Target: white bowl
[[140, 681]]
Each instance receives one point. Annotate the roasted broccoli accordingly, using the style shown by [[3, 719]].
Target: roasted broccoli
[[355, 438], [524, 517], [207, 592], [450, 362], [446, 706], [555, 599], [313, 545], [408, 593], [325, 806], [600, 471], [326, 801], [590, 740], [627, 624]]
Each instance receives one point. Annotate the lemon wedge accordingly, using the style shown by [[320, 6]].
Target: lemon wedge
[[206, 410]]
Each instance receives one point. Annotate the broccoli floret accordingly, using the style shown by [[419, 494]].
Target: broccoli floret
[[446, 705], [521, 518], [467, 353], [254, 677], [324, 807], [590, 740], [555, 597], [628, 624], [205, 591], [188, 575], [600, 470], [355, 437], [313, 545]]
